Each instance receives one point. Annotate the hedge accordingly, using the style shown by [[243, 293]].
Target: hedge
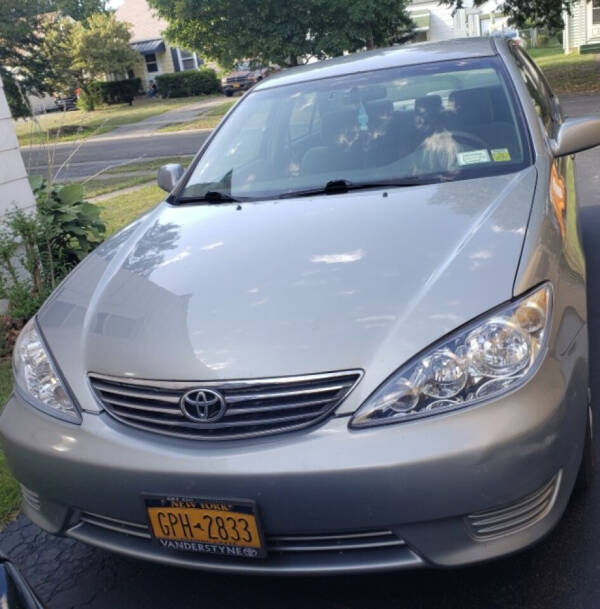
[[185, 84], [116, 91]]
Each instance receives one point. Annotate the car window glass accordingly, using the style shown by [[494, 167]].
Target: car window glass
[[440, 121], [304, 118], [543, 85], [541, 101]]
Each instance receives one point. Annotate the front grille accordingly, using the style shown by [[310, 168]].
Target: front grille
[[516, 516], [113, 524], [233, 79], [334, 543], [340, 542], [30, 498], [254, 407]]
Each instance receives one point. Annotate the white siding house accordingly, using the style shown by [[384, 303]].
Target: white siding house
[[14, 185], [435, 21], [582, 27], [147, 39]]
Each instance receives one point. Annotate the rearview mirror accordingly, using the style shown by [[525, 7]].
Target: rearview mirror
[[577, 134], [169, 175]]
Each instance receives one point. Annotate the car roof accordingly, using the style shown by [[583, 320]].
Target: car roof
[[410, 54]]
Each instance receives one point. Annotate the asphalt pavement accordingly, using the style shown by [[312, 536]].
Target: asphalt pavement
[[77, 160], [561, 572]]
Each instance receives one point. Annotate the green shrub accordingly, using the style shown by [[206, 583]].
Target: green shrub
[[86, 101], [116, 91], [542, 40], [38, 249], [186, 84]]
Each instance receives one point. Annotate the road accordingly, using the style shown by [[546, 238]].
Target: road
[[562, 572], [90, 157]]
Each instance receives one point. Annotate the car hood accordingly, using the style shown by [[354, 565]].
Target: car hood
[[361, 280]]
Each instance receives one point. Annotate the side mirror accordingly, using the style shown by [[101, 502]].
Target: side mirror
[[169, 175], [577, 134]]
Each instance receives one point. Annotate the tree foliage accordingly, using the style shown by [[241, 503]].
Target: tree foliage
[[529, 13], [80, 10], [279, 31], [23, 68], [82, 52]]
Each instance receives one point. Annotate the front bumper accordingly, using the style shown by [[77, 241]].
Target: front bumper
[[418, 481]]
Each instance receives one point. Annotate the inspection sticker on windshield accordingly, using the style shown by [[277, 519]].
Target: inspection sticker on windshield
[[500, 154], [473, 156]]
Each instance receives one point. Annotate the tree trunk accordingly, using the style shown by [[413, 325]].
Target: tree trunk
[[370, 38]]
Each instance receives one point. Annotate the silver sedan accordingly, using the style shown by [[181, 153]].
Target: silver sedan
[[352, 338]]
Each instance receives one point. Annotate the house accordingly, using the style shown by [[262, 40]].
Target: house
[[158, 57], [435, 21], [14, 185], [582, 27]]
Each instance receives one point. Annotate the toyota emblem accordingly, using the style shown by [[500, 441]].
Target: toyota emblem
[[203, 405]]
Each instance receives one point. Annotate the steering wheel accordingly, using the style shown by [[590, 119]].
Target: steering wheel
[[469, 137]]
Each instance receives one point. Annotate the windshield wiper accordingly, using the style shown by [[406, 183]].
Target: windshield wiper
[[212, 196], [335, 187]]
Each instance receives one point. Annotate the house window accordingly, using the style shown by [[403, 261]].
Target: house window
[[151, 63], [187, 61], [596, 12]]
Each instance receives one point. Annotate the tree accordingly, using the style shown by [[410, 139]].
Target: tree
[[83, 52], [279, 31], [358, 24], [23, 68], [529, 13], [80, 10]]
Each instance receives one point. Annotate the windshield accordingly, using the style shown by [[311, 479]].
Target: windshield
[[432, 122]]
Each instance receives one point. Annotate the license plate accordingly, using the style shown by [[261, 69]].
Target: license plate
[[210, 526]]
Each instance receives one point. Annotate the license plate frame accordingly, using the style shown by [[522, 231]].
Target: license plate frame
[[200, 507]]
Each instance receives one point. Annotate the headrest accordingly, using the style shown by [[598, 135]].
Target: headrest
[[380, 109], [432, 104], [472, 106]]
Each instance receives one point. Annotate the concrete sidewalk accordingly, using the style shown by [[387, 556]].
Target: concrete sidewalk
[[150, 126]]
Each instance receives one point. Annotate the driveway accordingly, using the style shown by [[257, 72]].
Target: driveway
[[562, 572]]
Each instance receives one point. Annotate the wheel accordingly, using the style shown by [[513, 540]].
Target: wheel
[[586, 469], [229, 92]]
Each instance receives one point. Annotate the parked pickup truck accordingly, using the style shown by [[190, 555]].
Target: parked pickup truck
[[245, 76]]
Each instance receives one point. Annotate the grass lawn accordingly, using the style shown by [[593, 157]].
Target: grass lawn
[[123, 209], [94, 188], [568, 74], [546, 52], [118, 178], [208, 120], [10, 496], [57, 127], [151, 165]]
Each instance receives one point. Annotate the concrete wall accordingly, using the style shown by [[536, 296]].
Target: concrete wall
[[14, 186]]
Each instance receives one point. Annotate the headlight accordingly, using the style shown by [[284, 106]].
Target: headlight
[[37, 379], [489, 357]]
